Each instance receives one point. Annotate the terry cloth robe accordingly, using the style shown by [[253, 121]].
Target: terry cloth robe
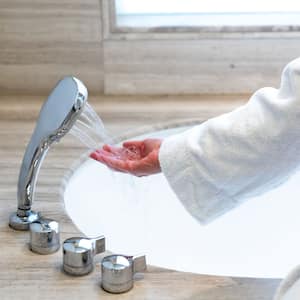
[[217, 165], [289, 288]]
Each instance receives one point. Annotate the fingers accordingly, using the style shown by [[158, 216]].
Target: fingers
[[97, 156], [110, 161], [106, 153], [94, 155], [112, 149], [122, 153], [115, 164], [125, 160]]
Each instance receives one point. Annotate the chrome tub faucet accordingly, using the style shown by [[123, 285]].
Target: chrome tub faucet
[[56, 118]]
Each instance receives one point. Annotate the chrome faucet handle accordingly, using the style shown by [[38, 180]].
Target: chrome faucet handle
[[44, 236], [57, 116], [118, 271], [78, 254]]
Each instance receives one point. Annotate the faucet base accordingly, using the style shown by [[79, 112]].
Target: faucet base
[[22, 223]]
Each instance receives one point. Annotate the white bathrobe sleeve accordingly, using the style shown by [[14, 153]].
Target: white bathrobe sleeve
[[215, 166]]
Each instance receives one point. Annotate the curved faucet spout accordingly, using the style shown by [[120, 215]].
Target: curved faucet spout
[[56, 118]]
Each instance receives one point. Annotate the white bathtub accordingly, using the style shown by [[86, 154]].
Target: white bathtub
[[261, 238]]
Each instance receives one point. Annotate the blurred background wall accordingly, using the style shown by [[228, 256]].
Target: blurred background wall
[[44, 40]]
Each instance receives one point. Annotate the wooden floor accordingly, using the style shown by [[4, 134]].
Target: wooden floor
[[25, 275]]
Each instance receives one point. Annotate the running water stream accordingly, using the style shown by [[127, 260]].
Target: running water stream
[[90, 130]]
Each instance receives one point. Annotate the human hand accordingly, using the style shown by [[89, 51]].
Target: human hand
[[139, 158]]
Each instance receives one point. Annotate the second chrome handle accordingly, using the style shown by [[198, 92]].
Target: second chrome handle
[[78, 254]]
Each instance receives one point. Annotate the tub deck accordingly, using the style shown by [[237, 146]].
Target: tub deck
[[25, 275]]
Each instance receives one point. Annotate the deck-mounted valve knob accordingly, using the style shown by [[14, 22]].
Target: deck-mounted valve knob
[[78, 254], [118, 272], [44, 236]]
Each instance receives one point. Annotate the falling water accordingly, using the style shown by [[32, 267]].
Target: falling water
[[126, 193], [90, 130]]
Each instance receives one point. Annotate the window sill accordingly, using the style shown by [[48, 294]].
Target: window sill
[[198, 26], [245, 22]]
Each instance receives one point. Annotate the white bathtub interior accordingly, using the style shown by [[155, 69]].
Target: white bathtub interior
[[260, 238]]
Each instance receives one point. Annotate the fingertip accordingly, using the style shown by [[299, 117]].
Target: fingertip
[[93, 155], [97, 156], [106, 147], [100, 151], [103, 152]]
